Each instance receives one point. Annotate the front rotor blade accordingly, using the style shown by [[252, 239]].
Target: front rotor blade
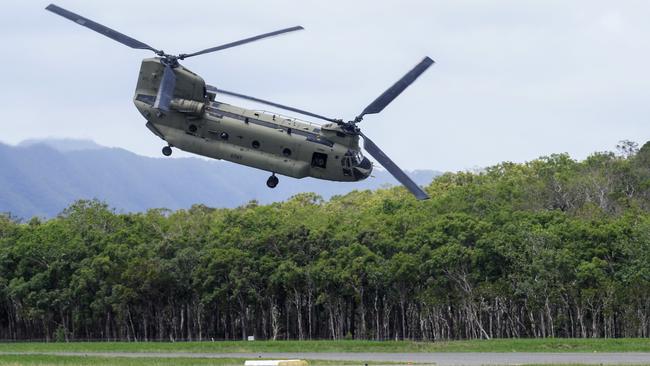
[[383, 100], [108, 32], [292, 109], [393, 169], [241, 42], [166, 89]]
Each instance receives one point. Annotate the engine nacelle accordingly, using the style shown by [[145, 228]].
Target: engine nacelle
[[188, 106]]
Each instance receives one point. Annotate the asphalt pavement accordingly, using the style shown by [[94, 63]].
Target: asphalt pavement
[[440, 359]]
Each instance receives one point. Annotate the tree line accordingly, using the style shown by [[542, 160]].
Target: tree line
[[550, 248]]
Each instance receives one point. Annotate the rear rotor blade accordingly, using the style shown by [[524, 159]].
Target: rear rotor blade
[[241, 42], [389, 95], [393, 169], [292, 109], [166, 89], [108, 32]]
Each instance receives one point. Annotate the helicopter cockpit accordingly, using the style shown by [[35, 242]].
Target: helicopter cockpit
[[356, 165], [351, 159]]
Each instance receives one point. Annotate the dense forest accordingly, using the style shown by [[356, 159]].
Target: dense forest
[[550, 248]]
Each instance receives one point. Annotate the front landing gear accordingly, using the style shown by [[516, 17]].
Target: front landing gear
[[273, 181], [167, 150]]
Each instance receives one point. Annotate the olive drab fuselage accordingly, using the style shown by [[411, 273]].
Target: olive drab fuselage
[[199, 124]]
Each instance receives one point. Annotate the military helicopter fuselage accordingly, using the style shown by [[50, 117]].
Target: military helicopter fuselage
[[181, 109], [199, 124]]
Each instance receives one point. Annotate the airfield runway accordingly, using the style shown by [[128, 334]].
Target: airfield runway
[[439, 359]]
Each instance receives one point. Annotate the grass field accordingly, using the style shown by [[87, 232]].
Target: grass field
[[45, 360], [496, 345]]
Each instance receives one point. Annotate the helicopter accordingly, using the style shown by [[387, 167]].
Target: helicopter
[[182, 110]]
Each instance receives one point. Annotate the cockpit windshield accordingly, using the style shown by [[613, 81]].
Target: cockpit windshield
[[351, 159], [356, 158]]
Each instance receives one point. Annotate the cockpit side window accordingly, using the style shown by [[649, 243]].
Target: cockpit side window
[[345, 161]]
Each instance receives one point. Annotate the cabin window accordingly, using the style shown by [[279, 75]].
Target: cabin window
[[224, 135], [192, 128], [319, 160], [256, 144], [286, 152]]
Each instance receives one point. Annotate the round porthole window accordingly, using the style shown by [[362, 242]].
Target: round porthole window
[[286, 152], [256, 144], [192, 128], [224, 136]]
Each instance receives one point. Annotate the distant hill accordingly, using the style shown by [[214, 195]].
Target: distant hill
[[42, 177], [63, 145]]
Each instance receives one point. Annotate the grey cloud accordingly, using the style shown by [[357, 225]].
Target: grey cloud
[[514, 79]]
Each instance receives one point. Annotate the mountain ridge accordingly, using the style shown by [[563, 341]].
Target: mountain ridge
[[42, 177]]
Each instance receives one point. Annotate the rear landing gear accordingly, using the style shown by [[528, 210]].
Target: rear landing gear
[[167, 150], [273, 181]]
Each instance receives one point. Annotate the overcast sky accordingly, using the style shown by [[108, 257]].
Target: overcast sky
[[513, 80]]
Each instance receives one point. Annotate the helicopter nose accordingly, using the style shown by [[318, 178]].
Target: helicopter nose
[[363, 169]]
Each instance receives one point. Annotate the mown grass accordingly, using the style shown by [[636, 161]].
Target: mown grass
[[47, 360], [495, 345]]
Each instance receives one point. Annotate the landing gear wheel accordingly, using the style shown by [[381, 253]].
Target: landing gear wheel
[[167, 150], [272, 182]]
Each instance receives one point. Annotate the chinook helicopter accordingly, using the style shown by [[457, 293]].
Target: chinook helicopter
[[182, 110]]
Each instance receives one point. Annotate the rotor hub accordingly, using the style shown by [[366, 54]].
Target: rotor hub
[[168, 60], [350, 127]]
